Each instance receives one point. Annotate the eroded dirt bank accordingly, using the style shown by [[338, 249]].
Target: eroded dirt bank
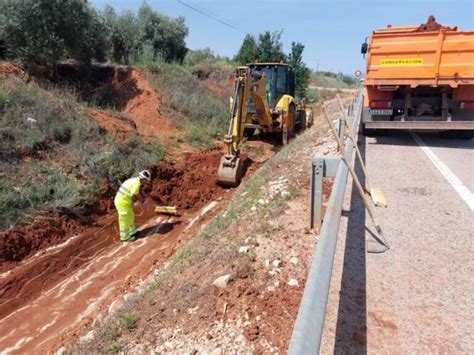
[[59, 288]]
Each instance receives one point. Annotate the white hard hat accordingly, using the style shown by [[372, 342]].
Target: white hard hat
[[145, 174]]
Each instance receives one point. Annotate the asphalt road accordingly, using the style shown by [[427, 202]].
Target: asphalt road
[[457, 154], [416, 297]]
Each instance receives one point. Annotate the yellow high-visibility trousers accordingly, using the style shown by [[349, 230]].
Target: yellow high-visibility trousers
[[126, 220]]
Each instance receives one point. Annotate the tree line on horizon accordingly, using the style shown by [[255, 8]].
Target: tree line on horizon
[[44, 32]]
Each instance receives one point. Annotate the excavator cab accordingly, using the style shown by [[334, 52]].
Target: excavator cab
[[279, 80]]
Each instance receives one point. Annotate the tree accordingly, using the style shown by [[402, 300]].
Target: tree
[[302, 72], [270, 47], [45, 31], [197, 56], [123, 33], [163, 35], [248, 51]]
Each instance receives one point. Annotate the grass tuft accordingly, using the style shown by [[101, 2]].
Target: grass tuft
[[111, 333], [128, 321], [114, 348]]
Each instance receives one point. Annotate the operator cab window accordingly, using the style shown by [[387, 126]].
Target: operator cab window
[[281, 81]]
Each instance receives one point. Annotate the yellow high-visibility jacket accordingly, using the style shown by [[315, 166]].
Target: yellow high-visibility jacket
[[129, 188]]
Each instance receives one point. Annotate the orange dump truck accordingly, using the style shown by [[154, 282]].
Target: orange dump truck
[[419, 78]]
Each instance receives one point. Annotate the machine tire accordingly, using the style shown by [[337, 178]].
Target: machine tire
[[289, 130], [249, 132], [310, 119], [301, 126]]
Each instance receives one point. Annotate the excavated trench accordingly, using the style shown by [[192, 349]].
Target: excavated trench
[[62, 286]]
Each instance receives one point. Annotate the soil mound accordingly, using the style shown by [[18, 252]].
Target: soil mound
[[12, 70], [124, 88], [119, 127], [144, 106], [189, 183], [48, 229]]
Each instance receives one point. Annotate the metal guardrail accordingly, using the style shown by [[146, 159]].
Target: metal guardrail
[[308, 329]]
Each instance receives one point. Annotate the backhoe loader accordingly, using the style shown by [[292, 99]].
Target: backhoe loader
[[263, 99]]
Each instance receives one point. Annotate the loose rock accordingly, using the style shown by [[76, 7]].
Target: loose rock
[[293, 282], [222, 281], [87, 338], [244, 249]]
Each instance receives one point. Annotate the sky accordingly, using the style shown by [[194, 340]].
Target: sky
[[332, 31]]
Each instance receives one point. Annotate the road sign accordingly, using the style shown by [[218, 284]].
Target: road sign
[[358, 73]]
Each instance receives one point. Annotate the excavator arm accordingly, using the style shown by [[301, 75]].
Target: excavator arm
[[247, 83]]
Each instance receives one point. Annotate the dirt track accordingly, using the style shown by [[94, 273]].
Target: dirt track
[[63, 288]]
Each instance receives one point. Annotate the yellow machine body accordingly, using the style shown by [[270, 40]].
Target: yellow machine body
[[263, 99]]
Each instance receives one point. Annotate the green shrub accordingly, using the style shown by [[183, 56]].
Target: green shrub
[[128, 321], [332, 80], [111, 333], [194, 57], [145, 36], [313, 96], [50, 190], [3, 97], [206, 115], [199, 134], [114, 348], [43, 31], [158, 151], [36, 121]]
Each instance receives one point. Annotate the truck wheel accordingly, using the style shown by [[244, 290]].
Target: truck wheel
[[366, 132], [458, 134], [466, 134]]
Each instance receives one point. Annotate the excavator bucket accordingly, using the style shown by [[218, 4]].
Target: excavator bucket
[[230, 171]]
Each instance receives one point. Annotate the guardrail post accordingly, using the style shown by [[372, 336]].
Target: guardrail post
[[321, 167], [316, 192], [340, 130]]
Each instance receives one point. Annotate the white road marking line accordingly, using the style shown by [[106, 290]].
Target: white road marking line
[[457, 185]]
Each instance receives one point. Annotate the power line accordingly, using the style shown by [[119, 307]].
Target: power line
[[212, 17]]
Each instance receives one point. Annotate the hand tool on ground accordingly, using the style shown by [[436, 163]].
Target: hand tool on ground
[[382, 245], [167, 210], [377, 195]]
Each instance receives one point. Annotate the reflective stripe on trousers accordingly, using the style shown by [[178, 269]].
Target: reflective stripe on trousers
[[126, 220]]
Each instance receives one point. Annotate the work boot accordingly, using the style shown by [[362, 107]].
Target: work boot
[[131, 239]]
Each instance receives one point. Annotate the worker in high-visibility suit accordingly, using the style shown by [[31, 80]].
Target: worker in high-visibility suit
[[125, 198]]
